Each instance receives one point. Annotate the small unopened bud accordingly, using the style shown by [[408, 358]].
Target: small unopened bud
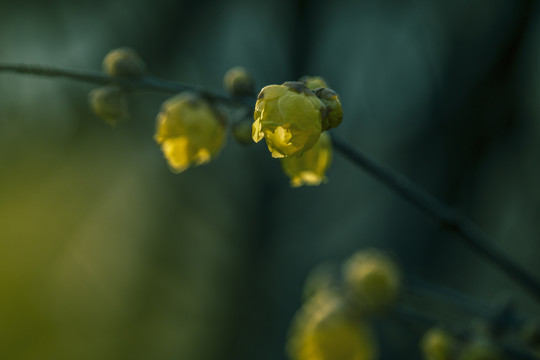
[[238, 81], [313, 82], [123, 62], [333, 112], [241, 131], [109, 103]]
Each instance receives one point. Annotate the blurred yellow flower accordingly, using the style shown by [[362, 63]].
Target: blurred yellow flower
[[190, 131], [372, 279], [322, 330], [289, 117], [310, 168], [438, 344]]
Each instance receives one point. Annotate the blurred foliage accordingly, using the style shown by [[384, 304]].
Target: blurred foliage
[[104, 253]]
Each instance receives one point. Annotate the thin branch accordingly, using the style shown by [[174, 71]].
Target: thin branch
[[457, 301], [148, 83], [502, 315], [469, 233]]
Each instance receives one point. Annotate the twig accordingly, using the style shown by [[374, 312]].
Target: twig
[[444, 295], [469, 233], [502, 315], [148, 83]]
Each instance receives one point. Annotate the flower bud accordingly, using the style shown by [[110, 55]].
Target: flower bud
[[241, 131], [438, 344], [310, 168], [238, 81], [372, 279], [289, 117], [109, 103], [190, 131], [123, 62], [313, 82], [333, 112]]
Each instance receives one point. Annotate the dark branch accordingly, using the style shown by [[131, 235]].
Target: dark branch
[[469, 233], [147, 83]]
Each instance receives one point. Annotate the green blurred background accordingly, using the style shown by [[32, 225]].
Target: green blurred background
[[105, 254]]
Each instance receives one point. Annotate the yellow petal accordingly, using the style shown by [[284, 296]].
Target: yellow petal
[[310, 167]]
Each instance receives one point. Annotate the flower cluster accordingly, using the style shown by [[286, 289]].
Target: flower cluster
[[191, 131], [109, 102], [334, 321], [291, 118]]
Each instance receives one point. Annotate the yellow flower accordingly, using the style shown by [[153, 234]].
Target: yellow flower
[[437, 344], [322, 330], [109, 103], [123, 62], [372, 278], [333, 112], [289, 117], [190, 131], [310, 167], [313, 82], [238, 81]]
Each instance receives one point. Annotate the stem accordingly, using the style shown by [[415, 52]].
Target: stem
[[477, 240], [148, 83], [500, 316], [445, 296], [469, 233]]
